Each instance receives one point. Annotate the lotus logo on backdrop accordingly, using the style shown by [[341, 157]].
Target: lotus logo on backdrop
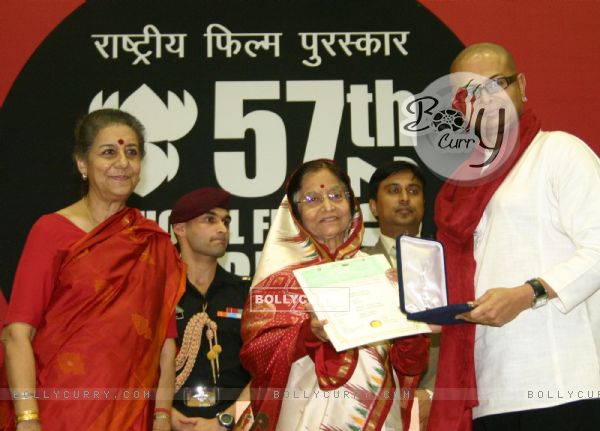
[[169, 123]]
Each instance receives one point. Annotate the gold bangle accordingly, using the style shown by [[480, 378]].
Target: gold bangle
[[162, 416], [28, 415]]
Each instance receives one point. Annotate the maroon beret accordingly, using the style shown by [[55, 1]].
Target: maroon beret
[[198, 202]]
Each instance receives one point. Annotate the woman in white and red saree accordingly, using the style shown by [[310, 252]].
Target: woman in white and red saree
[[299, 381]]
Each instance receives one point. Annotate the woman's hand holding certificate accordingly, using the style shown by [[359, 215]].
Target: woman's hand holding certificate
[[358, 301]]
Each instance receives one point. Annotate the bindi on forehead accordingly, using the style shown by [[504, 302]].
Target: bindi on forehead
[[120, 141]]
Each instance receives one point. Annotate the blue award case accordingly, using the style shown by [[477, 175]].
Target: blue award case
[[422, 282]]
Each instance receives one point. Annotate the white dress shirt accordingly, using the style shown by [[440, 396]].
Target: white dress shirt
[[389, 244]]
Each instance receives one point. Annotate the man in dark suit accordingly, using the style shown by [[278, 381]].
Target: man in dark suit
[[396, 199]]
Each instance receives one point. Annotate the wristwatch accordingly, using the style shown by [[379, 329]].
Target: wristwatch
[[226, 420], [540, 296]]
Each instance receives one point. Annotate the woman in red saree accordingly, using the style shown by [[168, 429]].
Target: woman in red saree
[[89, 330], [299, 381]]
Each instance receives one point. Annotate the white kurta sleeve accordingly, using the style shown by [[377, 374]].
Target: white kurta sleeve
[[574, 176]]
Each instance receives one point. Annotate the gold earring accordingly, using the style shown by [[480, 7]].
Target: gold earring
[[84, 176]]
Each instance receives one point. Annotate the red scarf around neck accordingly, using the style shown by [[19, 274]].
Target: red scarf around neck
[[458, 210]]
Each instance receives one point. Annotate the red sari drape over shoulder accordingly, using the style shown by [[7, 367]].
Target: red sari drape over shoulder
[[458, 210], [98, 346]]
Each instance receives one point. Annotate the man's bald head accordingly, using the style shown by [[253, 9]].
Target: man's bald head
[[481, 51], [492, 61]]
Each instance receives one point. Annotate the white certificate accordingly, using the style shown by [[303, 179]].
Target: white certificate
[[359, 302]]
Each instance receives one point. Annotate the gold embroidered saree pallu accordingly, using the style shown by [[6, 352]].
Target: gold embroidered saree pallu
[[97, 350]]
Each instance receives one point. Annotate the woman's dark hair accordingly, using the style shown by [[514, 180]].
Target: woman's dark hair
[[89, 126], [295, 182]]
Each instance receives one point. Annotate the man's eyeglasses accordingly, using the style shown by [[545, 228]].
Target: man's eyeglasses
[[314, 199], [494, 85]]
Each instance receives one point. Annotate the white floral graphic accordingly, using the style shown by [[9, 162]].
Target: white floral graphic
[[168, 123]]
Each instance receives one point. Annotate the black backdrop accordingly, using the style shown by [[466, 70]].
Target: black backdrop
[[200, 111]]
